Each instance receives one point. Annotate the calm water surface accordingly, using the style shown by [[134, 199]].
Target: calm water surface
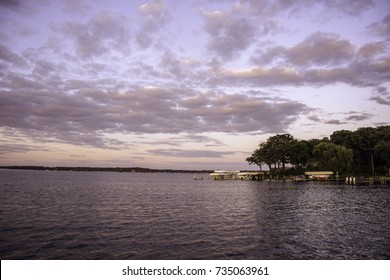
[[103, 215]]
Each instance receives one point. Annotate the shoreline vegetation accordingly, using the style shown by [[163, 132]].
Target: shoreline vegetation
[[364, 152], [104, 169]]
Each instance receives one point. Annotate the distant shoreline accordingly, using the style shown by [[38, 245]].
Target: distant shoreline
[[105, 169]]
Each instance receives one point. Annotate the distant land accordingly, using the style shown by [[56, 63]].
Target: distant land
[[105, 169]]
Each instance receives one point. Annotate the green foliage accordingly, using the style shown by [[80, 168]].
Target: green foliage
[[345, 138], [382, 151], [334, 157], [363, 142], [280, 149], [360, 151], [262, 155], [299, 153]]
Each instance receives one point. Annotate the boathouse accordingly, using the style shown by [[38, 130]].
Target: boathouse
[[251, 175], [237, 175], [319, 175], [224, 175]]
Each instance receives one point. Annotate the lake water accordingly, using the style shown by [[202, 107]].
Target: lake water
[[104, 215]]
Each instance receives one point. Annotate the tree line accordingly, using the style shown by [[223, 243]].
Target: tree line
[[364, 151], [104, 169]]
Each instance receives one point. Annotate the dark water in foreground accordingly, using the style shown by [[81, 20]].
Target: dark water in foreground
[[102, 215]]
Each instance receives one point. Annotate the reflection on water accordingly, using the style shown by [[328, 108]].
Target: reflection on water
[[102, 215]]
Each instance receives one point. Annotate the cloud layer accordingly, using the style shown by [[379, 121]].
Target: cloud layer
[[83, 116], [82, 72]]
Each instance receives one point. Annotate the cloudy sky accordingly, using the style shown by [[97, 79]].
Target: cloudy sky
[[185, 84]]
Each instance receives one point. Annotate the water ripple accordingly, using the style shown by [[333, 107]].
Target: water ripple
[[97, 215]]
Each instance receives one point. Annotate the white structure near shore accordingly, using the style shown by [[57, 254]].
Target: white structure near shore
[[236, 175], [251, 175], [224, 175], [319, 175]]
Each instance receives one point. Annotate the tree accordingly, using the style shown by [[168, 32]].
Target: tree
[[299, 152], [267, 154], [369, 147], [363, 142], [261, 156], [255, 158], [343, 137], [334, 157], [278, 148], [382, 150], [367, 139]]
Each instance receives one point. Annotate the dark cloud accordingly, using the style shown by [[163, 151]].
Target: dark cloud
[[318, 50], [269, 55], [325, 50], [104, 32], [12, 139], [14, 81], [382, 27], [23, 7], [11, 58], [75, 7], [335, 122], [301, 8], [12, 4], [154, 16], [321, 77], [381, 96], [321, 59], [314, 118], [321, 49], [372, 50], [16, 5], [228, 34], [45, 68], [345, 118], [174, 66], [258, 76], [381, 123], [350, 7], [356, 116], [82, 112], [10, 148]]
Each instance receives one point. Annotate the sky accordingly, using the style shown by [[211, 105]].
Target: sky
[[194, 84]]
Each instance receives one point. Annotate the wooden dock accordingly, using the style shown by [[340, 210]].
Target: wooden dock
[[370, 181]]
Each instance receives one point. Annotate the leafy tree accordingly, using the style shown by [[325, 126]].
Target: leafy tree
[[363, 142], [334, 157], [369, 147], [382, 150], [312, 143], [349, 139], [367, 138], [299, 152], [383, 132], [267, 154], [278, 149], [255, 158], [343, 137], [261, 156]]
